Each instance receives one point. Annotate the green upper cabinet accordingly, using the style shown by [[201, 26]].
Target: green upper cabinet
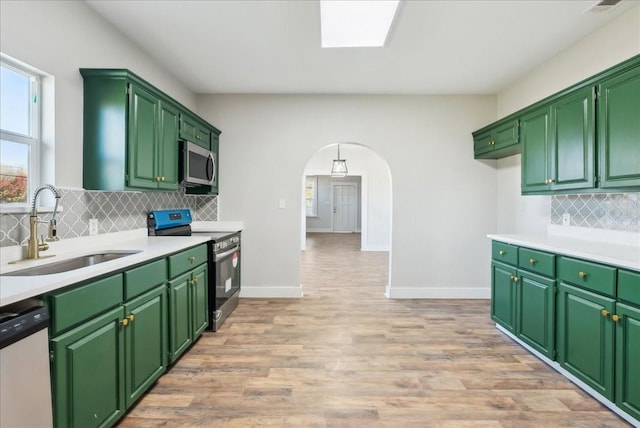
[[153, 142], [132, 132], [619, 130], [572, 139], [558, 145], [497, 140], [535, 151]]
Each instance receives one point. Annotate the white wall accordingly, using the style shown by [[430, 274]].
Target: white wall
[[59, 37], [613, 43], [444, 202]]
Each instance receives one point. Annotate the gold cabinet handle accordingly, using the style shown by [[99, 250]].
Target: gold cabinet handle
[[192, 259], [582, 275], [502, 253], [515, 279], [604, 312], [616, 318], [533, 261], [124, 322], [131, 317], [198, 137]]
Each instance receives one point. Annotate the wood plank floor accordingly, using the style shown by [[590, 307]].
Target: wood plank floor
[[346, 356]]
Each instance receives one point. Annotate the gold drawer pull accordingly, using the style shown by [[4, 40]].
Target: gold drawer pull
[[604, 312], [582, 275], [502, 252], [616, 318], [192, 259], [124, 322], [131, 317], [533, 261], [515, 279]]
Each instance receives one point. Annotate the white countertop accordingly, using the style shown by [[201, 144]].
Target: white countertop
[[624, 255], [16, 288]]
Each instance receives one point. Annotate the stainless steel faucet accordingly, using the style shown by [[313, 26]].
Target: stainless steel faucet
[[33, 246]]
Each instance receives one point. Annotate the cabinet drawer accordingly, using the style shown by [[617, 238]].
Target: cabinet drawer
[[74, 306], [592, 276], [629, 286], [187, 260], [537, 261], [144, 278], [504, 252]]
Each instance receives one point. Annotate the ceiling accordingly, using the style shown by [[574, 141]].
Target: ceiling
[[273, 46]]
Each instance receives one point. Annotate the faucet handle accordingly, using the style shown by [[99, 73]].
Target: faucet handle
[[42, 246]]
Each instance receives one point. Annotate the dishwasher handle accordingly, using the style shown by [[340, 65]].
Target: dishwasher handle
[[227, 253]]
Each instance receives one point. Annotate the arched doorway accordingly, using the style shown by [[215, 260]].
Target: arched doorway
[[360, 203]]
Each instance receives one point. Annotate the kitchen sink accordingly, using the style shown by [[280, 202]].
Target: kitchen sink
[[71, 264]]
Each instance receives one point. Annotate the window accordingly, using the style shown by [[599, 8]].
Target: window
[[19, 132], [311, 196]]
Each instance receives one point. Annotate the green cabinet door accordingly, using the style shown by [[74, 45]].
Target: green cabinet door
[[572, 141], [585, 337], [145, 342], [628, 359], [534, 135], [535, 312], [87, 372], [143, 124], [180, 332], [619, 130], [482, 143], [503, 295], [167, 147], [199, 301]]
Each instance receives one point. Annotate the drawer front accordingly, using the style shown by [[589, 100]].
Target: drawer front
[[629, 286], [592, 276], [74, 306], [144, 278], [187, 260], [537, 261], [504, 252]]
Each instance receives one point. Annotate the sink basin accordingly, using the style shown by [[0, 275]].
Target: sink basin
[[71, 264]]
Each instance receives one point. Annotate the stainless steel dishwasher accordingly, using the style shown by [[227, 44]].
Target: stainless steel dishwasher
[[25, 385]]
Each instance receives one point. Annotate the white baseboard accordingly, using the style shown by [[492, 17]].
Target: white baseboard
[[271, 292], [556, 366], [320, 230], [375, 248], [437, 293]]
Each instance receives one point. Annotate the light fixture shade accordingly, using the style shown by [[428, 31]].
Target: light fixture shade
[[339, 167]]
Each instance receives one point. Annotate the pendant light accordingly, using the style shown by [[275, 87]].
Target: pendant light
[[339, 168]]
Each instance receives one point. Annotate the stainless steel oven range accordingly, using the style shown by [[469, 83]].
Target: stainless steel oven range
[[224, 271], [223, 258]]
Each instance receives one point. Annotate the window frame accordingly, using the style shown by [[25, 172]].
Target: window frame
[[311, 194], [34, 140]]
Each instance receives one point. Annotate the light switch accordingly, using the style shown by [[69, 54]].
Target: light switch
[[283, 204]]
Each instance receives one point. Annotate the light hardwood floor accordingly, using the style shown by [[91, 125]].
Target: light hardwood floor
[[346, 356]]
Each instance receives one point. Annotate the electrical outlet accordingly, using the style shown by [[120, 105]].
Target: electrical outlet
[[566, 219], [93, 226]]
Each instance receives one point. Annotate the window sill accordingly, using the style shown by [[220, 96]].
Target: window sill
[[26, 209]]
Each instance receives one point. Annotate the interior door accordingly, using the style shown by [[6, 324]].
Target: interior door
[[345, 208]]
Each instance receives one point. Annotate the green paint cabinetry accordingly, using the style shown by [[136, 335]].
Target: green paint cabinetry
[[497, 140], [558, 144], [132, 132], [110, 337], [583, 314], [619, 130], [188, 304]]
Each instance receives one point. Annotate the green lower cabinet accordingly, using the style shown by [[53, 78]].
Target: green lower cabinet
[[628, 359], [188, 310], [585, 337], [145, 342], [503, 295], [87, 372], [535, 311]]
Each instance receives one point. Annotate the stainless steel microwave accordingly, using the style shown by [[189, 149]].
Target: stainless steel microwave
[[197, 165]]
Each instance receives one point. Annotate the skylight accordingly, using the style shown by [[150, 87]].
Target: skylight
[[356, 23]]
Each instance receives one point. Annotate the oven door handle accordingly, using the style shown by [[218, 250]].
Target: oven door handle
[[219, 256]]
